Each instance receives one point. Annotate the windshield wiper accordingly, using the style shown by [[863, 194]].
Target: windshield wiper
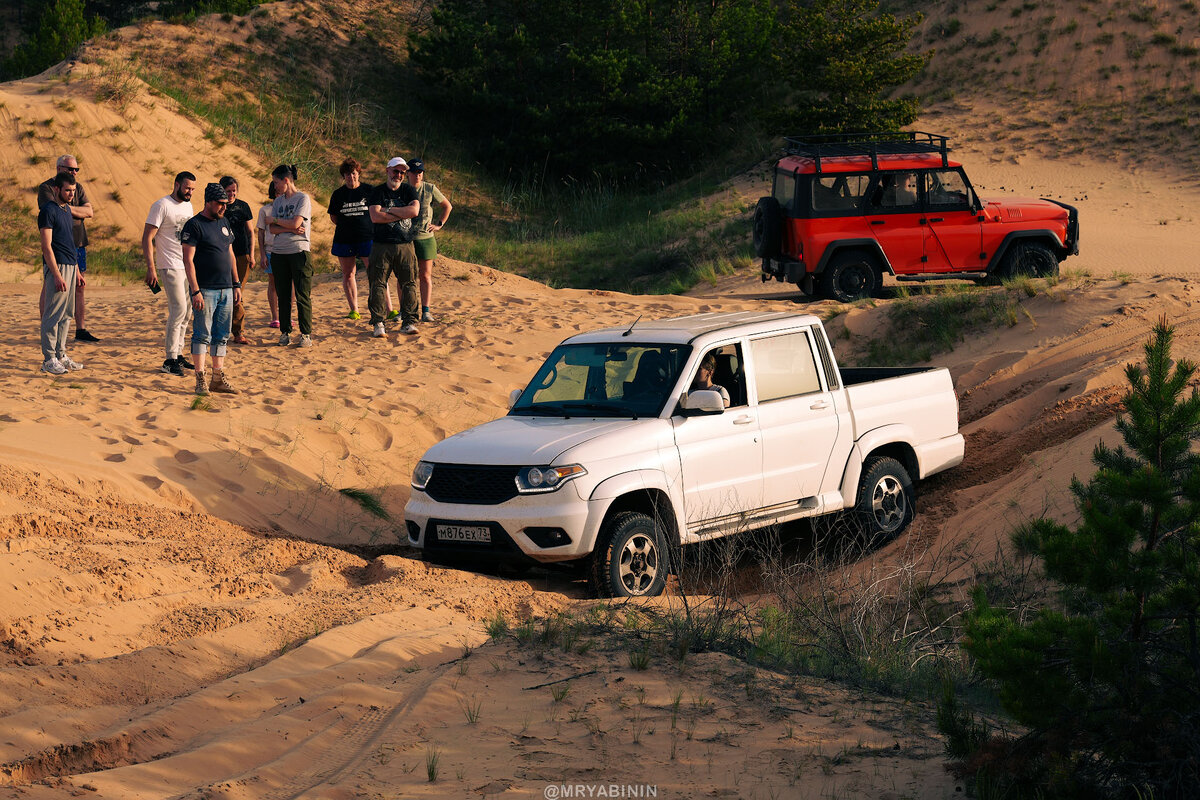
[[548, 409], [607, 409]]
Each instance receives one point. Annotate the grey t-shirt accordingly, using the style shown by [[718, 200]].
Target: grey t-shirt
[[287, 208]]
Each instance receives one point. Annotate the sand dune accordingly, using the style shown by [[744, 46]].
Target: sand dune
[[190, 606]]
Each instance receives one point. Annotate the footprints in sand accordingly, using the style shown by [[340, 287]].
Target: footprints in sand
[[186, 457], [115, 458]]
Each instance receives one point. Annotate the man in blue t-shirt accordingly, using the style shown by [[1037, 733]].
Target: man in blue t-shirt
[[392, 207], [213, 283], [60, 275]]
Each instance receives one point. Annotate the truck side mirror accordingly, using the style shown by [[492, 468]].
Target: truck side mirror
[[708, 401], [513, 397]]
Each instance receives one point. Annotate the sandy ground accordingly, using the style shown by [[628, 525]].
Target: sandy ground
[[189, 606]]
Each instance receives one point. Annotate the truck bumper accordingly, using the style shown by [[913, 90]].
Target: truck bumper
[[557, 526], [940, 454]]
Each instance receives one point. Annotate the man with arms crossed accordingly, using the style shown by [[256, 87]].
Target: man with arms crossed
[[392, 207], [213, 285], [164, 264], [60, 276], [81, 209]]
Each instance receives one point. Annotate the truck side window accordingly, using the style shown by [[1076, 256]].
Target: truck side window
[[784, 367], [728, 372], [838, 192], [946, 190]]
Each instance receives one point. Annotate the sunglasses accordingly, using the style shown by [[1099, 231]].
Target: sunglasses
[[71, 169]]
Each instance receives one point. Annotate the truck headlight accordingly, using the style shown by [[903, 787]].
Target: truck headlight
[[531, 480], [421, 475]]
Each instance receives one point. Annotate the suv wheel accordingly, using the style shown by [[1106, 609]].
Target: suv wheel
[[1030, 258], [768, 228], [631, 560], [849, 277]]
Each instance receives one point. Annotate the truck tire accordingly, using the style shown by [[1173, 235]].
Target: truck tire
[[767, 230], [885, 498], [1029, 258], [850, 276], [631, 559]]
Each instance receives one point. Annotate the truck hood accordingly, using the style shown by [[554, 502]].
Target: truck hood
[[530, 441], [1021, 209]]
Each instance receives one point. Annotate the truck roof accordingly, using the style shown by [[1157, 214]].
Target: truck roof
[[684, 330]]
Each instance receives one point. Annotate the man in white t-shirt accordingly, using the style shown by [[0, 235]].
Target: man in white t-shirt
[[164, 265]]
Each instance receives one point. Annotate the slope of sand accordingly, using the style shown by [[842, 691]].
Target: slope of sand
[[190, 606]]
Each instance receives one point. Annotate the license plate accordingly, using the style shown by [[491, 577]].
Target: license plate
[[464, 533]]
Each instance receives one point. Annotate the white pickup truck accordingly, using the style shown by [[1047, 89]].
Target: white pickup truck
[[612, 455]]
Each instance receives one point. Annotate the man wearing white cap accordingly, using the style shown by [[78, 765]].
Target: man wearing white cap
[[392, 206]]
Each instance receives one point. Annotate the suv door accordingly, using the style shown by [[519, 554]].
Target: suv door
[[954, 234], [796, 414], [894, 217]]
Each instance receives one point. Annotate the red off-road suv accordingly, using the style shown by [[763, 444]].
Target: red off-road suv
[[844, 210]]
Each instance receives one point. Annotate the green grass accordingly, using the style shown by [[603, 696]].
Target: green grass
[[933, 320], [369, 501]]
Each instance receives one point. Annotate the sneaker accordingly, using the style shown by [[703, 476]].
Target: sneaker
[[53, 366], [274, 324], [82, 335], [171, 366], [393, 314], [183, 363], [219, 384], [427, 317], [305, 340], [379, 332], [284, 340], [201, 385], [354, 315], [69, 363], [408, 329]]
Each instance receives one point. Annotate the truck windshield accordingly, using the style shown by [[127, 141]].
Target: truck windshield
[[604, 380]]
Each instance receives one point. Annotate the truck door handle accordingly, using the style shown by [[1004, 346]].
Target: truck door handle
[[877, 222], [819, 404], [744, 419], [937, 219]]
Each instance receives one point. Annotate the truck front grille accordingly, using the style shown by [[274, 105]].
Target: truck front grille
[[473, 485]]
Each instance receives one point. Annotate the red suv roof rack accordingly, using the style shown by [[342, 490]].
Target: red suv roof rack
[[867, 144]]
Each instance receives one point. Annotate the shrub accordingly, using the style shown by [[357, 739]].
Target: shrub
[[1108, 681]]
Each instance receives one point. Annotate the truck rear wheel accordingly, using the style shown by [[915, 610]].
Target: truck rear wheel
[[850, 276], [885, 498], [631, 559]]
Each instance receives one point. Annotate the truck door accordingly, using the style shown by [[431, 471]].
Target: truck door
[[721, 454], [954, 233], [894, 217], [796, 415]]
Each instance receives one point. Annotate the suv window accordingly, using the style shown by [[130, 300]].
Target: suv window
[[946, 190], [897, 191], [784, 367], [785, 190], [838, 192]]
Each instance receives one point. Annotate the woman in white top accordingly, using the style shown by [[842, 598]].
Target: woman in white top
[[290, 216]]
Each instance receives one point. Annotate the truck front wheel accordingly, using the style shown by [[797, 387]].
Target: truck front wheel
[[1031, 259], [631, 560], [885, 498]]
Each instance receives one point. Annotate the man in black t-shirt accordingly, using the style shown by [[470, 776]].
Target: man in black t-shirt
[[392, 207], [212, 280], [241, 222], [60, 275]]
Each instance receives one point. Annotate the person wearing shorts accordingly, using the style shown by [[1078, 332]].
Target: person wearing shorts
[[352, 229], [423, 241]]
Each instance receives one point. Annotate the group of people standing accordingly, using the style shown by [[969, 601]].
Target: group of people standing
[[199, 261]]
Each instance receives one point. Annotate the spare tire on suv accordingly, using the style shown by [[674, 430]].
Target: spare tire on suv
[[768, 228]]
